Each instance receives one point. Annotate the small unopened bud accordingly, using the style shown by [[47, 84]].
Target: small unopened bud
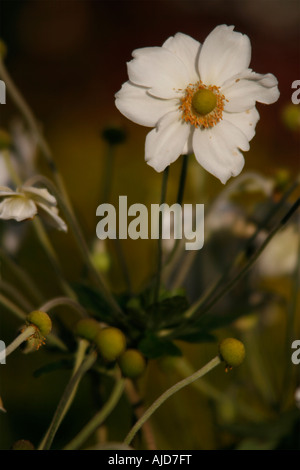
[[132, 363], [87, 328], [232, 351], [111, 343], [41, 320]]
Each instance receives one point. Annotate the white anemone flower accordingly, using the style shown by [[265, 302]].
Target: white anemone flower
[[199, 98], [26, 202]]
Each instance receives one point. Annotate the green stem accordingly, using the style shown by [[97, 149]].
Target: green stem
[[99, 418], [65, 402], [290, 327], [108, 173], [195, 311], [58, 301], [29, 331], [81, 244], [185, 370], [12, 307], [49, 250], [159, 254], [179, 199], [33, 125], [13, 292], [22, 276], [10, 168], [168, 393]]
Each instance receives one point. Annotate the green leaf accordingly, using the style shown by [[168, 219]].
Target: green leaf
[[153, 347], [93, 301], [65, 364], [168, 312], [197, 337]]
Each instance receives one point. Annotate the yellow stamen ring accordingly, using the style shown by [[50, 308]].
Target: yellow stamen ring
[[201, 105]]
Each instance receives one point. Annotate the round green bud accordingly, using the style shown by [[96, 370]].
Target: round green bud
[[132, 363], [87, 328], [22, 444], [204, 101], [111, 343], [114, 135], [41, 320], [232, 351], [5, 140]]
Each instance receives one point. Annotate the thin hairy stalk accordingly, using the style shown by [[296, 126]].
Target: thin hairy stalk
[[196, 310], [29, 331], [22, 276], [99, 417], [139, 410], [292, 309], [179, 199], [33, 126], [81, 244], [191, 255], [123, 264], [167, 394], [12, 307], [64, 403], [14, 293], [50, 252], [65, 301], [159, 248]]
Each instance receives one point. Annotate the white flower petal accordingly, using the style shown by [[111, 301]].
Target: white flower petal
[[187, 49], [18, 208], [51, 215], [6, 191], [165, 143], [136, 104], [243, 92], [216, 149], [159, 70], [245, 121], [39, 195], [224, 53]]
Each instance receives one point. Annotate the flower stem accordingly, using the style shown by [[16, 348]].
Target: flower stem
[[13, 292], [159, 253], [81, 244], [29, 331], [22, 276], [65, 401], [7, 303], [99, 417], [196, 310], [46, 244], [168, 393], [58, 301], [32, 124]]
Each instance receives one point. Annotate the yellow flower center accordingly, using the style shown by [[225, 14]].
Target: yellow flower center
[[201, 105]]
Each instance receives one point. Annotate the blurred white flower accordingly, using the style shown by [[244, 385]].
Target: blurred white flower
[[199, 98], [26, 202], [279, 258]]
